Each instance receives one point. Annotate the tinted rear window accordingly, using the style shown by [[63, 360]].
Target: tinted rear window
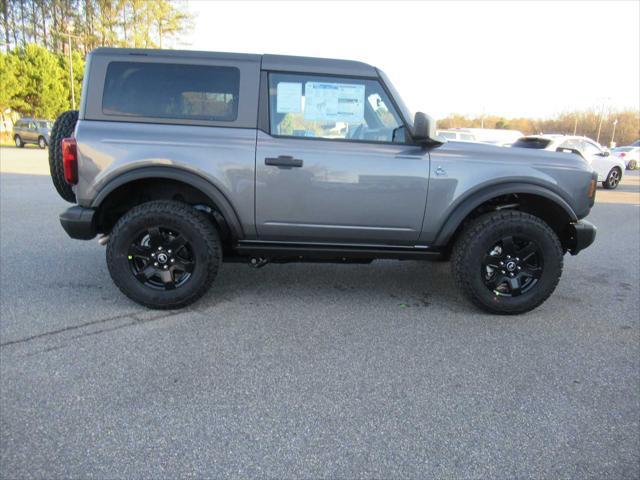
[[165, 90], [532, 143]]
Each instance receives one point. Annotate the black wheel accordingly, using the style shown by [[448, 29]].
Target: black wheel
[[613, 179], [42, 143], [632, 165], [163, 254], [507, 262], [63, 127], [18, 141]]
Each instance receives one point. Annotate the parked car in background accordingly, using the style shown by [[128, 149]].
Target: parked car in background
[[457, 135], [32, 130], [608, 167], [629, 155], [494, 136]]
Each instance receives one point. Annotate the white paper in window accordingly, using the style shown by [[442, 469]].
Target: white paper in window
[[335, 102], [289, 97]]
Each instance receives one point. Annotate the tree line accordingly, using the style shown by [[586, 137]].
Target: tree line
[[92, 23], [41, 39], [596, 124]]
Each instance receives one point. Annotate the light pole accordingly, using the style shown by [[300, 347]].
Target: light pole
[[69, 37], [613, 134], [600, 122]]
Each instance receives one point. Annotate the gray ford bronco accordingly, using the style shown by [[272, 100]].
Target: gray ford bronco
[[181, 160]]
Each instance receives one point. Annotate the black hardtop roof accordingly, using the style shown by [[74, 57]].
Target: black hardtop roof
[[283, 63]]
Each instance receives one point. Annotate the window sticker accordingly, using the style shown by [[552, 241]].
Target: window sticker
[[335, 102], [289, 97]]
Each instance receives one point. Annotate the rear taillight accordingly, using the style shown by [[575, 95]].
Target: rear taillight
[[70, 160], [622, 154]]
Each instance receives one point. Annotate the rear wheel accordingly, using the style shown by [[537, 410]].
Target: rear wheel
[[18, 141], [63, 127], [613, 179], [507, 262], [163, 254]]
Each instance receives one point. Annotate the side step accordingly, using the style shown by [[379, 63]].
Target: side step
[[300, 252]]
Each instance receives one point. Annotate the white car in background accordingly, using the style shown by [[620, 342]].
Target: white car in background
[[629, 155], [457, 135], [608, 167], [494, 136]]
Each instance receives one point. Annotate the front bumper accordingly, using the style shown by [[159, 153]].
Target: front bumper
[[79, 222], [582, 234]]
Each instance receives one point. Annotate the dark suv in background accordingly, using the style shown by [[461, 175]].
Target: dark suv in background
[[32, 130]]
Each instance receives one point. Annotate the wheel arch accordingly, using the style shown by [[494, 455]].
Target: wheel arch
[[536, 199], [184, 182]]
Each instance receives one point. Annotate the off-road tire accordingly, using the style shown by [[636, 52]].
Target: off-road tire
[[18, 141], [192, 224], [63, 127], [473, 243], [613, 179]]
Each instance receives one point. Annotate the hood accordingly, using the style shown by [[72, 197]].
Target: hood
[[527, 156]]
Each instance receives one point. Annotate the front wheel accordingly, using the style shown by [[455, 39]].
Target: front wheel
[[632, 165], [163, 254], [613, 179], [507, 262], [42, 143], [18, 141]]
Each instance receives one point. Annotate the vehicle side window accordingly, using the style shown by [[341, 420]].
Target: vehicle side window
[[165, 90], [332, 107], [466, 136], [590, 149], [571, 143], [448, 135]]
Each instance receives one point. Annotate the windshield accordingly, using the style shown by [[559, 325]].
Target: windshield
[[404, 111], [623, 149]]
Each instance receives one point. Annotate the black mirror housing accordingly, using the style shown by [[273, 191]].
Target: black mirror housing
[[424, 129]]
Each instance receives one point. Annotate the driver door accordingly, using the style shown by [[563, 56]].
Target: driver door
[[336, 165]]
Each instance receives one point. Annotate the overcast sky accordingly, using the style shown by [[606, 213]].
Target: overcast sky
[[506, 58]]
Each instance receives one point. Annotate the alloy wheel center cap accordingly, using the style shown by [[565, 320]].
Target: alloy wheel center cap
[[511, 266], [162, 258]]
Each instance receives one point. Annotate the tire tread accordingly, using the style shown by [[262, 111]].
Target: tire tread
[[198, 221], [471, 235]]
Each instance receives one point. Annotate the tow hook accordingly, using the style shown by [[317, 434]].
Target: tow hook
[[103, 240], [258, 262]]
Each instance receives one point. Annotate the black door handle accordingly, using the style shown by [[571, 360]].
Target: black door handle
[[283, 161]]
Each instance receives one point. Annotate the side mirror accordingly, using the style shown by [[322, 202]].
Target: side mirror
[[424, 129]]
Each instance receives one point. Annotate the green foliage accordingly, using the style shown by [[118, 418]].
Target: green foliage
[[34, 71], [35, 82], [9, 84]]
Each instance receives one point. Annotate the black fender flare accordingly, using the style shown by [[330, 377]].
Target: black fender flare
[[467, 204], [173, 173]]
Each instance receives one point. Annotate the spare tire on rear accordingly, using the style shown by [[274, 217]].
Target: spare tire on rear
[[63, 127]]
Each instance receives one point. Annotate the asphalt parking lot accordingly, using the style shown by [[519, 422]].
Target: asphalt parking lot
[[311, 371]]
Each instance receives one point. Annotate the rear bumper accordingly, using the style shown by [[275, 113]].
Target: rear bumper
[[79, 222], [583, 234]]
